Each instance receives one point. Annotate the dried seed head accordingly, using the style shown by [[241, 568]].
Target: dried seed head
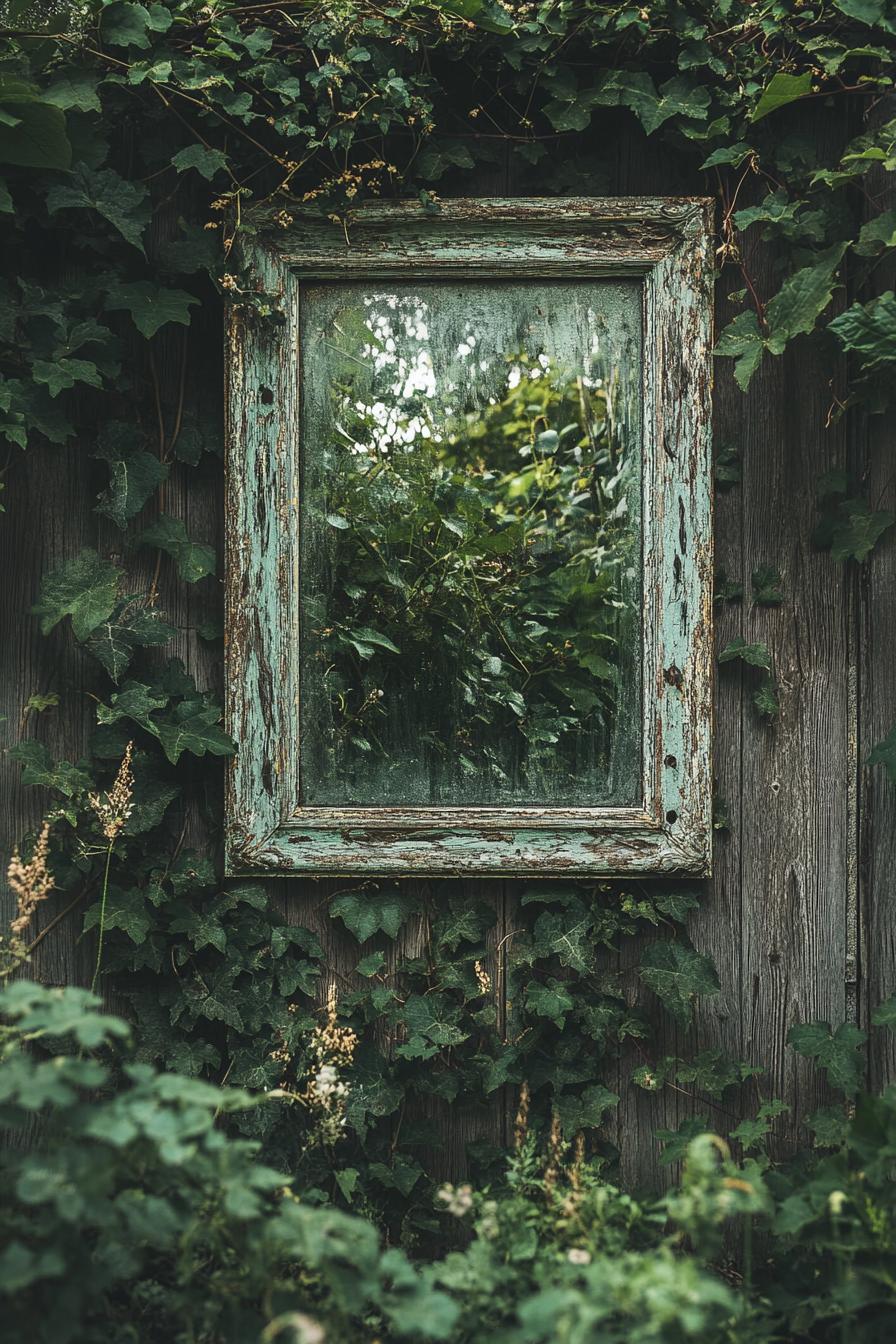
[[555, 1153], [113, 808], [332, 1048], [30, 883], [578, 1161], [521, 1123], [483, 979]]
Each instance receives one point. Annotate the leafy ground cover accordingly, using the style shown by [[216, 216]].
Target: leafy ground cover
[[137, 1216]]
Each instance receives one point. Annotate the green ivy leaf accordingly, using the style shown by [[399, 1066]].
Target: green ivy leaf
[[365, 913], [885, 754], [37, 703], [152, 796], [857, 531], [728, 467], [776, 208], [125, 910], [32, 131], [74, 89], [205, 161], [373, 1093], [39, 768], [713, 1072], [781, 90], [743, 342], [192, 1057], [485, 14], [765, 698], [85, 588], [870, 330], [347, 1180], [767, 587], [677, 1141], [124, 24], [134, 474], [124, 204], [876, 235], [829, 1125], [757, 655], [194, 559], [193, 726], [430, 1020], [136, 701], [677, 974], [551, 1000], [113, 641], [371, 965], [570, 938], [680, 96], [729, 156], [837, 1052], [677, 904], [585, 1110], [366, 640], [465, 921], [752, 1133], [874, 13], [802, 298], [151, 306], [60, 374], [884, 1014], [725, 589]]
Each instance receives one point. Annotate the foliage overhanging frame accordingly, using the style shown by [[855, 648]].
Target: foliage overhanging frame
[[666, 242]]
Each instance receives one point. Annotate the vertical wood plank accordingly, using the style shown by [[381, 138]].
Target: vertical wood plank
[[877, 716], [48, 520], [794, 813]]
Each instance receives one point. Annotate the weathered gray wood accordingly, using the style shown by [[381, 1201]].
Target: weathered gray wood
[[48, 522], [876, 695]]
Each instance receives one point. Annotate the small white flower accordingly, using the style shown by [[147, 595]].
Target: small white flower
[[836, 1200], [457, 1202], [578, 1256]]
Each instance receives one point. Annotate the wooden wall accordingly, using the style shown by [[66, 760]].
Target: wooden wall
[[799, 915]]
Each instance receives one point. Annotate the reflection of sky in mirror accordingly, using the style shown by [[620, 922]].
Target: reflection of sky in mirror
[[400, 328]]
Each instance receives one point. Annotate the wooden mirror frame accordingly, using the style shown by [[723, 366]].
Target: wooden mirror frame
[[666, 243]]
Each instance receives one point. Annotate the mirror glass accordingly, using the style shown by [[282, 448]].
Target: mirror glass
[[471, 547]]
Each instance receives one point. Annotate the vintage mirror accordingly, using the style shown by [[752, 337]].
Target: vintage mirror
[[469, 550]]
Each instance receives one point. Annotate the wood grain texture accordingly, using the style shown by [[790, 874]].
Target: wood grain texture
[[666, 241], [48, 522], [876, 699]]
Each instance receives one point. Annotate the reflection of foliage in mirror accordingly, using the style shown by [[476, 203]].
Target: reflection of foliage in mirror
[[470, 591]]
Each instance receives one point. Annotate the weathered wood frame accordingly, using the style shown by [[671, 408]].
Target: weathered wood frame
[[667, 243]]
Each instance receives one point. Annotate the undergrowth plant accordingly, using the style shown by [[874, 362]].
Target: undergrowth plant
[[135, 1216]]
